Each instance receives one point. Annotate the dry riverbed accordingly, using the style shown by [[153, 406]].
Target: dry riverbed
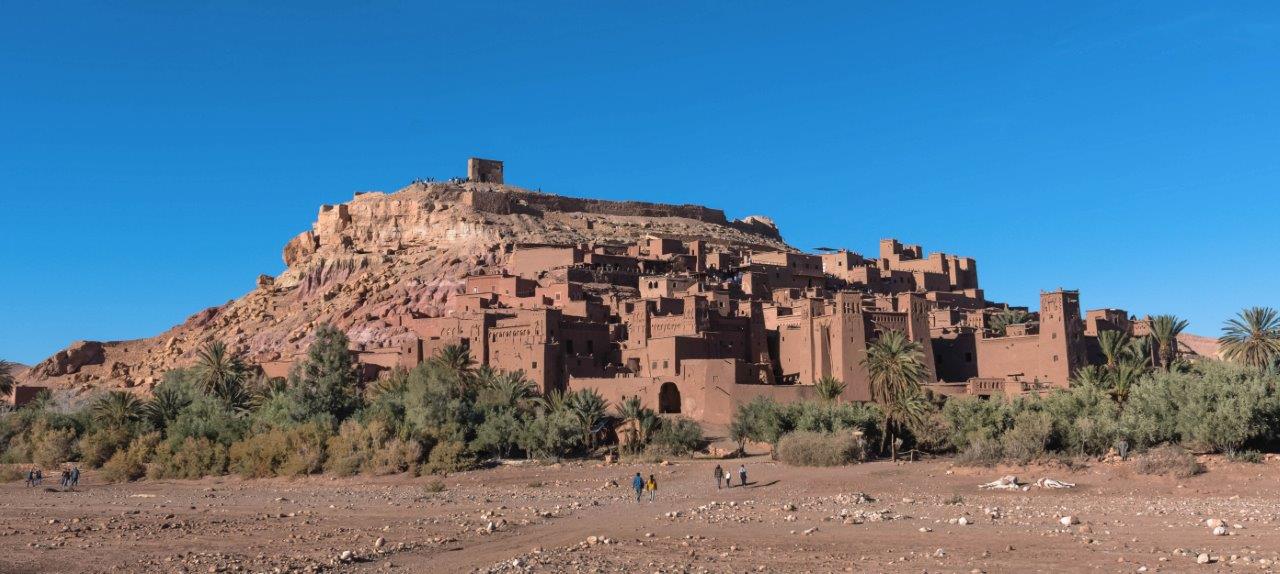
[[876, 517]]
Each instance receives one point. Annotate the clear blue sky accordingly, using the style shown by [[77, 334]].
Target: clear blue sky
[[155, 157]]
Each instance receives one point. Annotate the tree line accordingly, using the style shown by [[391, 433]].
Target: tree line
[[1142, 396], [446, 414]]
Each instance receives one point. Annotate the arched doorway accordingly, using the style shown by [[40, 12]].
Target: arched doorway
[[668, 398]]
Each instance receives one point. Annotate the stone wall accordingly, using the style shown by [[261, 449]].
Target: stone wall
[[503, 202]]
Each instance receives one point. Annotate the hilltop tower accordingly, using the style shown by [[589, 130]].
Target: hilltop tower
[[484, 170]]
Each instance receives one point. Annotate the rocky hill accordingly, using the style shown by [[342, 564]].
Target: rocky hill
[[382, 255]]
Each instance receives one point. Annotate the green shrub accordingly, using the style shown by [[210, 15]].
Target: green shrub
[[38, 435], [294, 451], [99, 445], [53, 447], [208, 418], [433, 487], [448, 456], [1029, 438], [805, 448], [1249, 456], [1168, 459], [550, 435], [498, 435], [762, 420], [129, 464], [192, 458], [677, 437], [1084, 420], [395, 456], [353, 447], [973, 419], [932, 435], [981, 451], [11, 473], [1215, 406], [1077, 421]]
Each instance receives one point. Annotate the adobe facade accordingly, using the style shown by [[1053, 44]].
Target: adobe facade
[[698, 327]]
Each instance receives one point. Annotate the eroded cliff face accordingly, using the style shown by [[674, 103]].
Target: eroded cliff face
[[380, 256]]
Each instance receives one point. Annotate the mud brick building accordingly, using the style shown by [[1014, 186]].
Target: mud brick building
[[697, 326]]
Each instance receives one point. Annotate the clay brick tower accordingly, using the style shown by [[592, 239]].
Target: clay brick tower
[[484, 170], [1062, 345]]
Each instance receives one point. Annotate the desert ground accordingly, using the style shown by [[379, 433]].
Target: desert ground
[[583, 517]]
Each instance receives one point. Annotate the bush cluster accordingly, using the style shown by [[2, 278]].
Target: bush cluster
[[1211, 406], [443, 416], [811, 426], [1169, 460], [809, 448]]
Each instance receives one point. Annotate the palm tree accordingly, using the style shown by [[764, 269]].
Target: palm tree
[[393, 383], [165, 404], [1114, 345], [221, 372], [1140, 348], [266, 389], [1001, 320], [589, 409], [1093, 376], [511, 390], [553, 401], [1127, 374], [648, 423], [895, 367], [1165, 330], [904, 411], [457, 360], [1252, 337], [629, 412], [117, 408], [829, 388], [6, 377]]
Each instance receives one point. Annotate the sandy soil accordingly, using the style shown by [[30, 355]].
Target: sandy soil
[[573, 518]]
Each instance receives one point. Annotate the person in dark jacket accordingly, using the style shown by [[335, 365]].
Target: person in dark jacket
[[638, 484], [742, 474], [719, 476]]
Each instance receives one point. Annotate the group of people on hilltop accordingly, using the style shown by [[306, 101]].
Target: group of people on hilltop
[[70, 477], [723, 480]]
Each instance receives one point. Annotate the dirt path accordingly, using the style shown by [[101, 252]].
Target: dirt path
[[789, 520]]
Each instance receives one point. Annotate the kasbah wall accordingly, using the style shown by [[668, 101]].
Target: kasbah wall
[[697, 328]]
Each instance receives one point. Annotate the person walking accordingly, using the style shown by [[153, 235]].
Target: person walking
[[75, 476], [638, 484], [728, 479], [719, 476], [742, 474], [652, 487], [65, 479], [31, 476]]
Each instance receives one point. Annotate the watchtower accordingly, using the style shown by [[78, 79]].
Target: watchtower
[[484, 170]]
